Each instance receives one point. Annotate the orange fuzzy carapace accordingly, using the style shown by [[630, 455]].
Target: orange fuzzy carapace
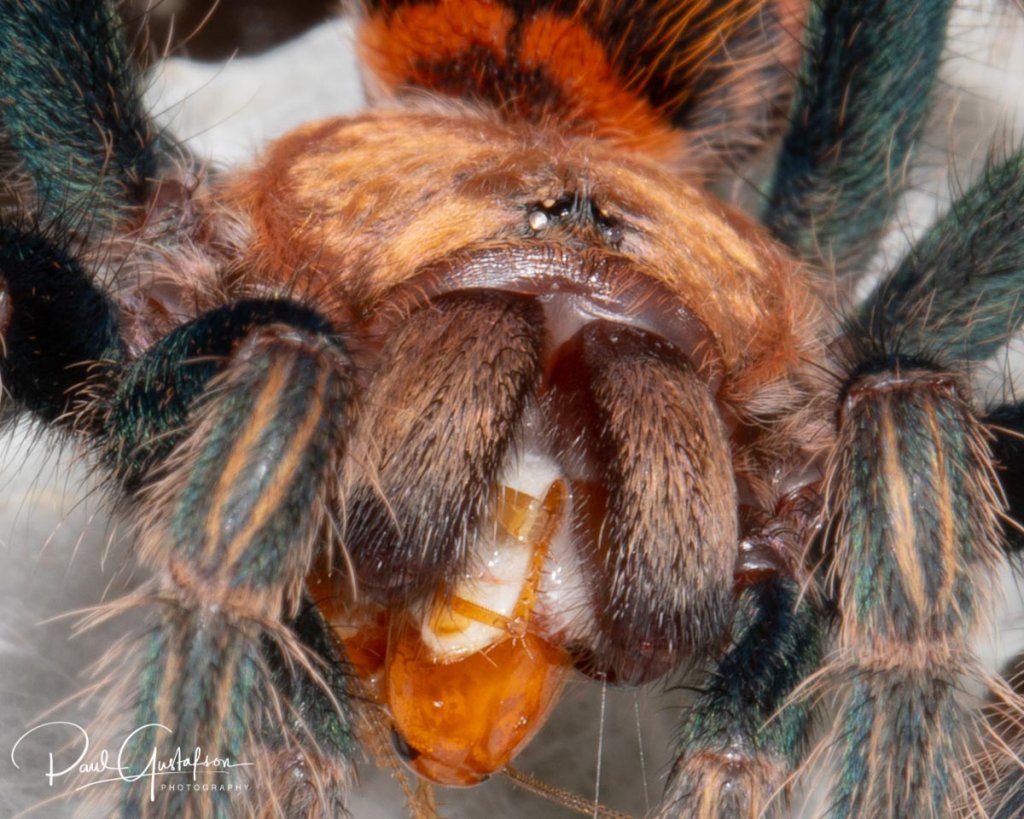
[[353, 210]]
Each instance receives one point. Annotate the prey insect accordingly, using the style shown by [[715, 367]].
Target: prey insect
[[432, 406]]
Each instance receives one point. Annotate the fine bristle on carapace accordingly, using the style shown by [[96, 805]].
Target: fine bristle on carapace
[[651, 75]]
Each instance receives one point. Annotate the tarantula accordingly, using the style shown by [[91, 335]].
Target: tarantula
[[431, 404]]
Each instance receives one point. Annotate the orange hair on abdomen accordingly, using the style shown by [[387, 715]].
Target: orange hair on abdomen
[[640, 74]]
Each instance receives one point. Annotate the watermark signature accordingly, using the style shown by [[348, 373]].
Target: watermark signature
[[99, 767]]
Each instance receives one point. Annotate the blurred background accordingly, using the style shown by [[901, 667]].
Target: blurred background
[[203, 30]]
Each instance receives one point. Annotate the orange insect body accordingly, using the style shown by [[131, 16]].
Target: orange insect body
[[466, 686], [465, 720]]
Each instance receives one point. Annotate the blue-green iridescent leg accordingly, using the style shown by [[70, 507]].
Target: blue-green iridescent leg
[[915, 547], [58, 331], [863, 93], [71, 106], [239, 671], [745, 735], [957, 294], [148, 406], [231, 531], [234, 624], [915, 491]]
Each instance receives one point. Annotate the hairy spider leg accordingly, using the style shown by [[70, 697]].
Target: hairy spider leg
[[73, 110], [862, 95], [148, 406], [231, 563], [746, 735], [232, 529], [893, 385], [223, 674], [914, 550], [839, 174], [920, 533], [55, 325], [743, 738], [958, 291]]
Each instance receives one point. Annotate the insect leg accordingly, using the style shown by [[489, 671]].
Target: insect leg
[[862, 96]]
